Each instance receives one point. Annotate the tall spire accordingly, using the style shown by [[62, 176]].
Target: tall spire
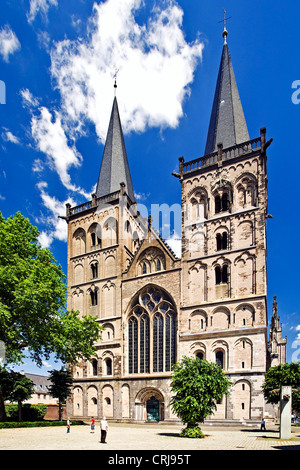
[[227, 122], [114, 168]]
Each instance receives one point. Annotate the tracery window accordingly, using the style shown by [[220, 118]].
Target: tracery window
[[152, 333], [144, 268]]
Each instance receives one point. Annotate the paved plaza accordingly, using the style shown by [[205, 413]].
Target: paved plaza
[[133, 437]]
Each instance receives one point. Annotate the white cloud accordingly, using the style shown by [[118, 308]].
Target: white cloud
[[156, 66], [52, 140], [38, 166], [174, 242], [9, 42], [44, 40], [8, 136], [56, 227], [47, 364], [40, 6], [28, 99], [141, 196]]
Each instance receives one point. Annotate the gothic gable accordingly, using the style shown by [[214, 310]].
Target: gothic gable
[[152, 256]]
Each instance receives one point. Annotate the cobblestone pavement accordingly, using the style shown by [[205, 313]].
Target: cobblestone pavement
[[133, 437]]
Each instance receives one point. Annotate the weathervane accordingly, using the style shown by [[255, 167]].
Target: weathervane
[[115, 77], [225, 32]]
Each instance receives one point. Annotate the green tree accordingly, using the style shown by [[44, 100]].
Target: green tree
[[198, 386], [60, 388], [15, 387], [33, 293], [6, 385], [22, 390], [283, 374]]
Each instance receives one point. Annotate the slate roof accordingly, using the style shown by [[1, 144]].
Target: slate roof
[[114, 168], [227, 123], [41, 382]]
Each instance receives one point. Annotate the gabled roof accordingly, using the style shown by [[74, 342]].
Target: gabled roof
[[227, 123], [114, 168]]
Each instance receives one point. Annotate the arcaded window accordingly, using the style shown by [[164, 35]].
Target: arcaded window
[[223, 199], [198, 204], [222, 241], [108, 364], [94, 270], [220, 359], [93, 297], [221, 203], [95, 235], [221, 274], [95, 367], [152, 333]]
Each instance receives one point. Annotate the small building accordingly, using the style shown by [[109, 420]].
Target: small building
[[42, 395]]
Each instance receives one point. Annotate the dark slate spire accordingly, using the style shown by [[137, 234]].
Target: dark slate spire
[[227, 122], [114, 168]]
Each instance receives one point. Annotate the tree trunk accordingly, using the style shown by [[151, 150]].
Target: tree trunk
[[20, 410], [2, 408]]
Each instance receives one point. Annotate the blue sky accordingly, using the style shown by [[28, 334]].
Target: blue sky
[[57, 60]]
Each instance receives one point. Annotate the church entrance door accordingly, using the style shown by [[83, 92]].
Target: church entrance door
[[152, 409]]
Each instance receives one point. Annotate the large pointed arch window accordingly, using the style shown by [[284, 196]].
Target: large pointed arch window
[[152, 327]]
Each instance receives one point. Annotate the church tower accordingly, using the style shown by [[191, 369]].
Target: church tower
[[224, 284], [102, 236]]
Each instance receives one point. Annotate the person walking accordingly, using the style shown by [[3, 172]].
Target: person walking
[[92, 424], [68, 425], [263, 425], [104, 430]]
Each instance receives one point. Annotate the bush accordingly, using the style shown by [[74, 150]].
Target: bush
[[36, 424], [192, 432], [29, 412]]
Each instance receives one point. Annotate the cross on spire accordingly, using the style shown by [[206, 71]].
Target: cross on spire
[[224, 21]]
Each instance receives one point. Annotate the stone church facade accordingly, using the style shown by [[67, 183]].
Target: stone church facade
[[155, 308]]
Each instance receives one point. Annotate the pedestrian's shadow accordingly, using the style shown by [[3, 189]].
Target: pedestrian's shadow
[[258, 430]]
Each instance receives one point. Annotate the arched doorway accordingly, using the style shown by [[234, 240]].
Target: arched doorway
[[149, 405], [152, 406]]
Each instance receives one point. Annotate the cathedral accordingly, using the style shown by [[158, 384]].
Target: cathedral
[[155, 307]]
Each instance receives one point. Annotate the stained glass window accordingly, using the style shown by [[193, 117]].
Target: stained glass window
[[153, 309], [133, 352]]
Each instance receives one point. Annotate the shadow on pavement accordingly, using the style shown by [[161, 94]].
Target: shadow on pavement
[[287, 447]]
